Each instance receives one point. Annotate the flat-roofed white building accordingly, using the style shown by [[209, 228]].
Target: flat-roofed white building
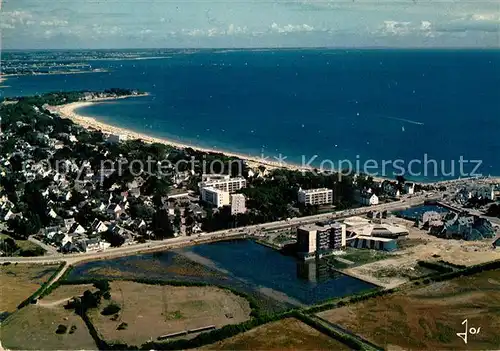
[[207, 177], [215, 196], [229, 185], [238, 204], [319, 196]]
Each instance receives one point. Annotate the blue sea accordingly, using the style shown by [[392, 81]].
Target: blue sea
[[379, 105]]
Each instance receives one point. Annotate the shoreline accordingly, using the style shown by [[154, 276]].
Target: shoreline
[[5, 76], [69, 111]]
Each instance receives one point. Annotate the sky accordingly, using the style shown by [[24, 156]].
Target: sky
[[78, 24]]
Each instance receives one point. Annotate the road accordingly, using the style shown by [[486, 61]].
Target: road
[[218, 235], [337, 328]]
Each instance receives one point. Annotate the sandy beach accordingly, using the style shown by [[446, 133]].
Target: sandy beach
[[69, 111]]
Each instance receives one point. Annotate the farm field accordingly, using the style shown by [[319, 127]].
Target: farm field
[[150, 311], [286, 334], [65, 292], [430, 316], [34, 328]]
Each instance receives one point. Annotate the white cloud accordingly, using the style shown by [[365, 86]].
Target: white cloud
[[425, 26], [214, 32], [54, 23], [479, 22], [10, 19], [290, 28], [6, 26], [486, 17], [402, 28], [114, 30], [395, 27]]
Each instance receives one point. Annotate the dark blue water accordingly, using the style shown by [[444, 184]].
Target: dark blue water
[[245, 265], [265, 267], [416, 212], [380, 104]]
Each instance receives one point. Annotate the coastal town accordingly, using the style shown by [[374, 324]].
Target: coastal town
[[79, 207], [249, 175]]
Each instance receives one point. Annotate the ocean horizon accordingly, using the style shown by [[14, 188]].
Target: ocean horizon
[[311, 105]]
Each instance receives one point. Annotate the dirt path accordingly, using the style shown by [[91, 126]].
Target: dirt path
[[55, 303]]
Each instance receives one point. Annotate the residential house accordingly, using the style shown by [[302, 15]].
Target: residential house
[[50, 232], [8, 215], [94, 244], [409, 188], [60, 239], [367, 198], [114, 210], [98, 226], [52, 213], [68, 223], [76, 228], [390, 189]]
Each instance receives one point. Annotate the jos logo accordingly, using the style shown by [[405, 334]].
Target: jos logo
[[471, 331]]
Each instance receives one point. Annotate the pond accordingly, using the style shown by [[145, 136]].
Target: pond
[[243, 265], [413, 213]]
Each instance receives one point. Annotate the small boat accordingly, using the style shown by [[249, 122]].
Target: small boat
[[403, 128]]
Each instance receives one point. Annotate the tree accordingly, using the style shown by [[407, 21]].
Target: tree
[[400, 179], [177, 218], [61, 329], [155, 185], [115, 239], [110, 309], [161, 226]]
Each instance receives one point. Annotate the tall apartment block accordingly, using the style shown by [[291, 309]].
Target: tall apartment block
[[320, 239], [320, 196]]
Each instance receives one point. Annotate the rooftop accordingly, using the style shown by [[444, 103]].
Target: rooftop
[[312, 191]]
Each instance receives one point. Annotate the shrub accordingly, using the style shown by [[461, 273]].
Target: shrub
[[61, 329], [102, 285], [122, 326], [72, 329], [110, 309]]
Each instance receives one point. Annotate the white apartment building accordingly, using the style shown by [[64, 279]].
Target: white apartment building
[[215, 196], [315, 196], [227, 184], [207, 177], [238, 204]]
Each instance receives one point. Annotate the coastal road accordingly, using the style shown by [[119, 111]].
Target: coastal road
[[72, 259], [207, 237]]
